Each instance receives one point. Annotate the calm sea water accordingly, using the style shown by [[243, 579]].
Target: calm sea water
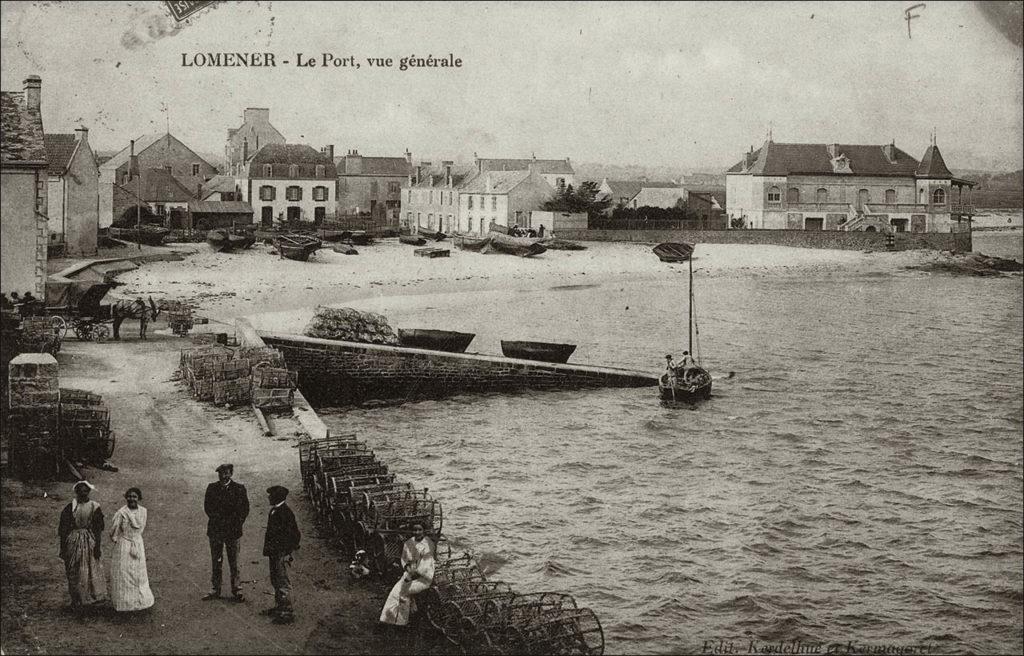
[[859, 479]]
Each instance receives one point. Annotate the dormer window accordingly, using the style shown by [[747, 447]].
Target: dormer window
[[939, 197], [268, 171], [195, 170], [841, 164], [321, 170], [293, 171]]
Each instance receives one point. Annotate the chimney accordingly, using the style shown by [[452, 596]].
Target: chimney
[[447, 164], [133, 161], [329, 151], [199, 191], [33, 91], [256, 115], [245, 150], [890, 152], [833, 150], [408, 156], [490, 188], [82, 135], [419, 173]]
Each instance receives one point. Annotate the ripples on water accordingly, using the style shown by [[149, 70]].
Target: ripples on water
[[859, 479]]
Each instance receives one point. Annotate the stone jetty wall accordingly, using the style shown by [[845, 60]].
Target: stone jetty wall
[[837, 239], [342, 373]]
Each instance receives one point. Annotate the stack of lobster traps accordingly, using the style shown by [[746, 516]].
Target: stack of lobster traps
[[179, 316], [365, 507], [238, 376], [85, 431], [38, 335]]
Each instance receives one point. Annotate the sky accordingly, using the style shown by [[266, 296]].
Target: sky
[[689, 85]]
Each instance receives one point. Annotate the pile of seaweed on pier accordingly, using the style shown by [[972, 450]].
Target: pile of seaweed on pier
[[365, 507], [351, 325], [237, 376]]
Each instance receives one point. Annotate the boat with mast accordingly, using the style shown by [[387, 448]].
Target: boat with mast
[[687, 381]]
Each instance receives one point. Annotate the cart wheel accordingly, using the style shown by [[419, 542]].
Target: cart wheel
[[60, 327], [100, 333], [111, 442], [82, 331]]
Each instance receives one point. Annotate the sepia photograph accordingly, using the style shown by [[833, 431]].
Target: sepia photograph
[[508, 327]]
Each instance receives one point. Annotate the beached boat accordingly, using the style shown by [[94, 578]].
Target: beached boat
[[333, 235], [542, 351], [435, 340], [358, 238], [297, 247], [440, 236], [673, 251], [469, 242], [686, 381], [344, 249], [145, 234], [223, 241], [412, 240], [521, 246]]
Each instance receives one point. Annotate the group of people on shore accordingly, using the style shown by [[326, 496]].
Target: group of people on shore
[[26, 305], [226, 504], [516, 231]]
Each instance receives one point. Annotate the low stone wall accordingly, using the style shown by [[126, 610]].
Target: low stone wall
[[344, 373], [856, 240]]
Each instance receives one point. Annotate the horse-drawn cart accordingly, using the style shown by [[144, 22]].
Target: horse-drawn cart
[[76, 307]]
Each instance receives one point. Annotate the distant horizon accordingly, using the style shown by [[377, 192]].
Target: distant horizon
[[702, 84]]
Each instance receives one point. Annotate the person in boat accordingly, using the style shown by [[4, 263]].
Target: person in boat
[[686, 366]]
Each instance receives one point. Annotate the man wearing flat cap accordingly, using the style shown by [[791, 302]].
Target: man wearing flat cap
[[227, 506], [282, 538]]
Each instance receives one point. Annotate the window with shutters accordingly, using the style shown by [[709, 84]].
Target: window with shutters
[[293, 171], [470, 202], [494, 203], [293, 193], [267, 192], [319, 193]]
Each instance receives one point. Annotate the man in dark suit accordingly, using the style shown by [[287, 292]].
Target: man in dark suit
[[281, 540], [227, 506]]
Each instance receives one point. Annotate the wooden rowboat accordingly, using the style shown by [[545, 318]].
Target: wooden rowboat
[[435, 340], [146, 234], [542, 351], [470, 243], [521, 246], [297, 247], [412, 240], [359, 238], [223, 241], [673, 251]]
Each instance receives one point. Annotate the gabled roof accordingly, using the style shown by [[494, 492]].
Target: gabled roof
[[159, 186], [141, 144], [496, 182], [630, 188], [60, 150], [219, 207], [217, 184], [544, 166], [385, 166], [932, 165], [435, 177], [281, 156], [816, 159], [22, 130]]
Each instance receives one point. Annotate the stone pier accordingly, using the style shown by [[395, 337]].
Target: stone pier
[[344, 373]]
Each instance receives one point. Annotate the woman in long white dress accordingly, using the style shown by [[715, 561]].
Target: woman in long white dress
[[129, 580], [418, 563]]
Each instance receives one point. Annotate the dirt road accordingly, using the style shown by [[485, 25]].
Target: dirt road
[[168, 445]]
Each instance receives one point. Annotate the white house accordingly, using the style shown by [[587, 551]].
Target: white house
[[290, 182]]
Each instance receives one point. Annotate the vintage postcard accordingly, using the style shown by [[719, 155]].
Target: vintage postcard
[[512, 327]]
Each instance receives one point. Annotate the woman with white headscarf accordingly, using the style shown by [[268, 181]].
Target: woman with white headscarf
[[129, 579], [80, 530]]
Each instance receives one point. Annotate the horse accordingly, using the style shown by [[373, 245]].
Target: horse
[[136, 309]]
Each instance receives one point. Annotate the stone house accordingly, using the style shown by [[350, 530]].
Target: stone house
[[846, 187], [290, 182], [254, 133], [559, 173], [23, 191], [642, 193], [154, 151], [430, 197], [72, 192], [162, 192], [503, 197], [371, 185], [220, 188]]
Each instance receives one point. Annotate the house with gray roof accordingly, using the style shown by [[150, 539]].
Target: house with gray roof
[[504, 197], [23, 190], [559, 173], [291, 182], [72, 195], [846, 187], [642, 193], [372, 185]]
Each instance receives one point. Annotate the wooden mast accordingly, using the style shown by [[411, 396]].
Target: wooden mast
[[689, 344]]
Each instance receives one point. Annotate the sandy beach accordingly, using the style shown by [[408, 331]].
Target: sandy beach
[[225, 286]]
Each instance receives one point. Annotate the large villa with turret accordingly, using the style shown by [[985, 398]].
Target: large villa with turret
[[846, 187]]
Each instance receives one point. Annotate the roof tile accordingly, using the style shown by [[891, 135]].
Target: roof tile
[[22, 129]]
